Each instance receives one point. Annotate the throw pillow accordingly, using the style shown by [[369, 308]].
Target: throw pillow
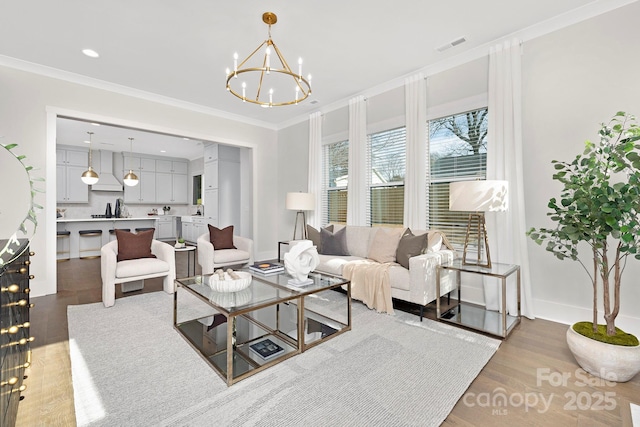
[[334, 243], [384, 245], [314, 236], [410, 246], [221, 239], [134, 246]]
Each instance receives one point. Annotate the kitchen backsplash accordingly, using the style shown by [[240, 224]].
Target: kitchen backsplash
[[98, 204]]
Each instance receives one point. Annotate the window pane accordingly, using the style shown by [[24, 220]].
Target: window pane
[[458, 152], [386, 161], [335, 180]]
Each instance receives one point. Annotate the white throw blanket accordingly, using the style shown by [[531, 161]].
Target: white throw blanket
[[370, 284]]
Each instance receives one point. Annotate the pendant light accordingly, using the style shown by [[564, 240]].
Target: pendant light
[[131, 179], [90, 176]]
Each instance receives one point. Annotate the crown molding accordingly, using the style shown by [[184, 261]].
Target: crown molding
[[70, 77]]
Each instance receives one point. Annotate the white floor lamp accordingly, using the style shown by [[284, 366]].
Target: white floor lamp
[[478, 197], [300, 202]]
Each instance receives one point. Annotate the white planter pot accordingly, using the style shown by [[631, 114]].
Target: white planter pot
[[611, 362]]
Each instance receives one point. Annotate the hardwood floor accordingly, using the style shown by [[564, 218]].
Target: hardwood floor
[[532, 379]]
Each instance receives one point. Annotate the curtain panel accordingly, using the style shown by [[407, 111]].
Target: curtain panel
[[415, 183], [507, 238], [315, 178], [357, 185]]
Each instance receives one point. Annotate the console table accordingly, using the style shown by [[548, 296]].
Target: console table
[[471, 316]]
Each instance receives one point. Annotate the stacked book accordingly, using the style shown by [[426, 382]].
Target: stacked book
[[266, 268]]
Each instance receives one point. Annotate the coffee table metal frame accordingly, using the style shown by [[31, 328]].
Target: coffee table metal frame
[[284, 295]]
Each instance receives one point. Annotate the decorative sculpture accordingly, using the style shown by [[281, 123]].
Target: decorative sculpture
[[300, 260]]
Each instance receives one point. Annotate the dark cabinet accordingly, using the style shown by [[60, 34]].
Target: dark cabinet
[[15, 337]]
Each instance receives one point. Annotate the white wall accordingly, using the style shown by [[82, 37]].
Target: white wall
[[573, 79], [28, 104]]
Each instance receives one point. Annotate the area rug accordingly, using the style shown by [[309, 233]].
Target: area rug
[[131, 368]]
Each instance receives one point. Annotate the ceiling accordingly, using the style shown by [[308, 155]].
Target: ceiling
[[178, 51]]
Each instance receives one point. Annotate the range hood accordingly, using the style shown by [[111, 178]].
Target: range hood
[[107, 181]]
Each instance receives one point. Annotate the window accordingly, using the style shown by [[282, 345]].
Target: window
[[457, 152], [386, 162], [335, 179]]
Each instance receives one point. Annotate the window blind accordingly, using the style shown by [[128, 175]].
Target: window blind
[[457, 152], [386, 163], [335, 160]]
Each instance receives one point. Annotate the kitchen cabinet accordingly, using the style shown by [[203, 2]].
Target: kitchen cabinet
[[70, 165], [211, 205], [139, 164], [144, 192], [211, 175], [172, 187], [210, 152], [194, 227], [166, 228], [172, 166]]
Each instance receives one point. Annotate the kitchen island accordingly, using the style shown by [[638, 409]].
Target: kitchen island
[[74, 225]]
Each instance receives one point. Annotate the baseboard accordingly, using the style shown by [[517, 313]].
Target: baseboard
[[568, 314]]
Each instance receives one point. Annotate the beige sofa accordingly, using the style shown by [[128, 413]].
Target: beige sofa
[[416, 284]]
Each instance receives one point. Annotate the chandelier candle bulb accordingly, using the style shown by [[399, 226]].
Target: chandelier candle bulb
[[270, 97], [235, 62], [244, 88], [268, 59], [300, 68]]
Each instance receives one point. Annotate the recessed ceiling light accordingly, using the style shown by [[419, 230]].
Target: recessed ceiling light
[[90, 53], [163, 151], [96, 124], [185, 138], [87, 142]]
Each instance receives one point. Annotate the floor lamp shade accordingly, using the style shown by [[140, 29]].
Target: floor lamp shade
[[300, 202], [477, 197]]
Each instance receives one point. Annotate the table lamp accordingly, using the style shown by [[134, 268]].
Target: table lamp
[[477, 197], [300, 202]]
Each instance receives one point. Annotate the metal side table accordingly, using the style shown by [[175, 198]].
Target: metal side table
[[471, 316]]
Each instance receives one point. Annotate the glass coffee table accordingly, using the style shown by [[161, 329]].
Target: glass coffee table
[[242, 333]]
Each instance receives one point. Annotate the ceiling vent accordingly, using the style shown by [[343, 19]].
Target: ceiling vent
[[451, 44]]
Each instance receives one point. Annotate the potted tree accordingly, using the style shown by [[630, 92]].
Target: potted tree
[[599, 210]]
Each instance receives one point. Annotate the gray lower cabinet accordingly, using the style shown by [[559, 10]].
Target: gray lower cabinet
[[166, 228]]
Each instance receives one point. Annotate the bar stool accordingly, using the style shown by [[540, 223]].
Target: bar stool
[[85, 235], [143, 229], [62, 237], [112, 233]]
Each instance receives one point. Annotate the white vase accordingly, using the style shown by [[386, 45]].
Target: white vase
[[611, 362]]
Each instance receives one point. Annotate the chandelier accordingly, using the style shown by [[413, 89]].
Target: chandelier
[[262, 69]]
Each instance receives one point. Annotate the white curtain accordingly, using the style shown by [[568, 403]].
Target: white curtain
[[506, 230], [357, 186], [314, 218], [415, 183]]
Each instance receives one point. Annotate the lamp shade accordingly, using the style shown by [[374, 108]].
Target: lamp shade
[[479, 196], [300, 202]]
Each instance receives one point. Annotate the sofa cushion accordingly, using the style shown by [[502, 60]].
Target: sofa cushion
[[359, 240], [334, 243], [221, 239], [410, 246], [331, 264], [384, 245], [134, 246], [140, 267], [315, 237]]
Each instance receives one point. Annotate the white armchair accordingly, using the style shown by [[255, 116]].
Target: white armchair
[[124, 272], [210, 259]]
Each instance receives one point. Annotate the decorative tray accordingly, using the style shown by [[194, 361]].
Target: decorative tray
[[229, 284]]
